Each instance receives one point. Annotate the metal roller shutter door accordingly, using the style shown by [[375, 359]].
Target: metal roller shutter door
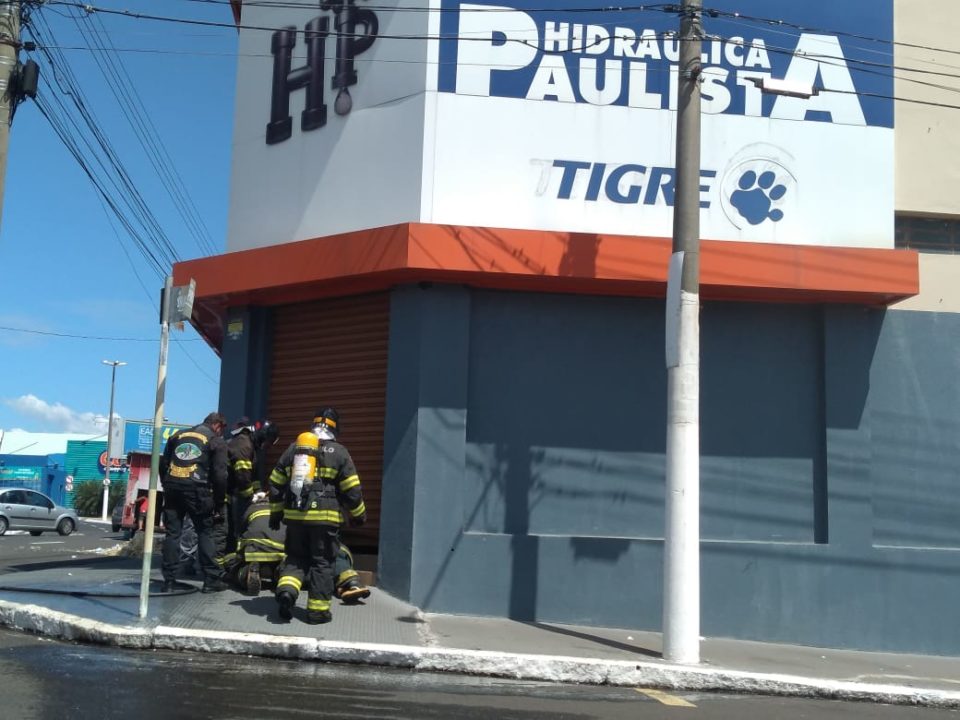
[[334, 352]]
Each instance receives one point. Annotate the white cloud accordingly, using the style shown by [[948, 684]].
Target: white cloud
[[57, 417]]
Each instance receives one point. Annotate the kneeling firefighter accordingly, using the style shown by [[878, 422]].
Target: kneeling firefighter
[[312, 479], [245, 446], [260, 550], [261, 554]]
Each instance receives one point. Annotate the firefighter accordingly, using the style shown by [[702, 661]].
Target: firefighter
[[244, 445], [260, 552], [312, 479], [194, 483]]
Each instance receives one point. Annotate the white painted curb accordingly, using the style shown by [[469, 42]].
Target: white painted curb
[[548, 668]]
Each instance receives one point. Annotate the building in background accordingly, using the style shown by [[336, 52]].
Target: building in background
[[463, 243], [56, 463], [86, 463], [36, 461]]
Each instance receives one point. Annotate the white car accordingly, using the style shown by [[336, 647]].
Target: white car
[[23, 509]]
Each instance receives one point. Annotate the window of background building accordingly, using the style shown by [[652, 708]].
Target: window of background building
[[934, 235]]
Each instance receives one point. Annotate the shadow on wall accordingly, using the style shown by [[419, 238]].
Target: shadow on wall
[[914, 417], [566, 414], [580, 257]]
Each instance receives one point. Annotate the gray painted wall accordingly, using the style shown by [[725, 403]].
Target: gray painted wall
[[524, 464]]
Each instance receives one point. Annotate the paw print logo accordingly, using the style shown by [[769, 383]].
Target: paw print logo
[[756, 197], [760, 194]]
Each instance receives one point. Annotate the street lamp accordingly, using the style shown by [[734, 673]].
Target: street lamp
[[114, 364]]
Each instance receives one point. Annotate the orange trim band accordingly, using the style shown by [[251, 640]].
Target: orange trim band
[[533, 260]]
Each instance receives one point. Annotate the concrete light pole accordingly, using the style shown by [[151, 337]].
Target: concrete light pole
[[165, 304], [106, 473], [681, 560]]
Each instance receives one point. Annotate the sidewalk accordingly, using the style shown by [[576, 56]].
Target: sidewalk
[[97, 600]]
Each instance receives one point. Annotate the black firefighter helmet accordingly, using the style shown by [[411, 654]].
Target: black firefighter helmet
[[266, 434], [329, 418]]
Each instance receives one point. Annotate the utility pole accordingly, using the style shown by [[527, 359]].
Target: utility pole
[[165, 302], [9, 70], [681, 560], [114, 364], [16, 81]]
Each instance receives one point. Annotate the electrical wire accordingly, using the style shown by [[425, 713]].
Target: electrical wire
[[83, 137], [60, 128], [858, 61], [294, 5], [822, 31], [82, 337], [845, 63], [102, 150], [133, 109], [662, 7], [241, 26]]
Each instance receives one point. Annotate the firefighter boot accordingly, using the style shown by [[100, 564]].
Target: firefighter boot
[[318, 611], [352, 591], [319, 617], [253, 584], [285, 603]]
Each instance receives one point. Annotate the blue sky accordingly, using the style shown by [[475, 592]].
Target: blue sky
[[63, 268]]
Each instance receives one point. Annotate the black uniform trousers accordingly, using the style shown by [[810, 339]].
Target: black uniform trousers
[[236, 512], [182, 499], [226, 535], [311, 550]]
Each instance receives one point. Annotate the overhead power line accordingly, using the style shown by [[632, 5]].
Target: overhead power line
[[850, 63], [81, 337], [241, 26], [134, 111], [662, 7], [84, 135], [821, 31], [858, 64]]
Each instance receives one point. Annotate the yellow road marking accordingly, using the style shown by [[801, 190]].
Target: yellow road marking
[[665, 698]]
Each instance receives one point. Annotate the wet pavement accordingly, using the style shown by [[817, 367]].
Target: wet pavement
[[97, 599]]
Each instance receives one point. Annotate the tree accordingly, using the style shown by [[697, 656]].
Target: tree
[[89, 495]]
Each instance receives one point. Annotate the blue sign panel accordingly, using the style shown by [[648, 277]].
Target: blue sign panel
[[138, 435], [586, 51]]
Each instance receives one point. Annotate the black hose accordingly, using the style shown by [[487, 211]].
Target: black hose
[[186, 590]]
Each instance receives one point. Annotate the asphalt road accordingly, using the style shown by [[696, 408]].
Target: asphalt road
[[18, 547], [43, 679]]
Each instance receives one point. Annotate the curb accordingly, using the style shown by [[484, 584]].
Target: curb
[[545, 668]]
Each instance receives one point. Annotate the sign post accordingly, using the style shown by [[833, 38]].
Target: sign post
[[176, 306]]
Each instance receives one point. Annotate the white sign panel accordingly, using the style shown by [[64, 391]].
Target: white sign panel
[[578, 111], [560, 116], [328, 132]]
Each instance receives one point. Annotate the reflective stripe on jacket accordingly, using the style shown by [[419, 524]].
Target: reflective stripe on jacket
[[335, 484]]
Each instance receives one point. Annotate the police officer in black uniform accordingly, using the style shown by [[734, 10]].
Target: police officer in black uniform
[[312, 516], [194, 467]]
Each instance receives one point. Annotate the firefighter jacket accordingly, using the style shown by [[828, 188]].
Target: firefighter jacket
[[197, 455], [243, 454], [258, 543], [335, 483]]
